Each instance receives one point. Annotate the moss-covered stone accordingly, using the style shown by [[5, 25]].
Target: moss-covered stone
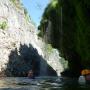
[[70, 30], [3, 25]]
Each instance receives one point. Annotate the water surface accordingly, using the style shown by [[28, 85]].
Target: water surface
[[41, 83]]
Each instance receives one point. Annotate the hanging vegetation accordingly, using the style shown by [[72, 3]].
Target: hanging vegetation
[[70, 30]]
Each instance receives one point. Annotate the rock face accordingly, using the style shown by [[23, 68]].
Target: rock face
[[70, 31], [20, 47]]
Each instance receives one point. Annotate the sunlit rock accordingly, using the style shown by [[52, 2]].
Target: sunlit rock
[[20, 47]]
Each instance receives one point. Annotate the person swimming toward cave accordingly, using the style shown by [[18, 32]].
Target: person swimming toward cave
[[30, 74]]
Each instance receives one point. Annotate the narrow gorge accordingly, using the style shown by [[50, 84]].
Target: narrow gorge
[[20, 47]]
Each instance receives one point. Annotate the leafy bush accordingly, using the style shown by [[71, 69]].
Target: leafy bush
[[13, 1], [3, 25], [40, 34], [25, 11], [48, 48], [17, 4], [27, 17]]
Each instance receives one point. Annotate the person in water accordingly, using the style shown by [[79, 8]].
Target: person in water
[[30, 74], [85, 76], [86, 73]]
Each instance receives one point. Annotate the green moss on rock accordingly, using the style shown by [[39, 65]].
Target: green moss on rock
[[70, 30], [3, 25]]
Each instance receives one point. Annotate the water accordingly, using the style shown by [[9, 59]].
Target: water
[[41, 83]]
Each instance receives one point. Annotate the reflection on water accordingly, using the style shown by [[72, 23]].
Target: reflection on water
[[40, 83]]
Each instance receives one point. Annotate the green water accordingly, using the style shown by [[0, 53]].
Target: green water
[[41, 83]]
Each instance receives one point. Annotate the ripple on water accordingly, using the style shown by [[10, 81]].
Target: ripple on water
[[23, 83]]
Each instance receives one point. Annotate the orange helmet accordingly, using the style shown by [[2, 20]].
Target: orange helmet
[[85, 72]]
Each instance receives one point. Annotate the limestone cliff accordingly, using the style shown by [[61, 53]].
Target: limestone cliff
[[20, 47]]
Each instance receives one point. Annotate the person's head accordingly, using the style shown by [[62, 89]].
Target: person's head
[[30, 73]]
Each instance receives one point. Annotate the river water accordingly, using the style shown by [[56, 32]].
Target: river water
[[41, 83]]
